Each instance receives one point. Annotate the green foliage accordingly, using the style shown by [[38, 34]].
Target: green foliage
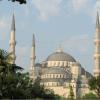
[[40, 92], [90, 96], [17, 85], [8, 75], [20, 1], [71, 95], [94, 84]]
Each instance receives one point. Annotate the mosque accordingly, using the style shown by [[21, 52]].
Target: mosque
[[60, 70]]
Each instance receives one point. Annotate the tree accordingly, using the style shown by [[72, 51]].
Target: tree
[[90, 96], [20, 1], [8, 73], [71, 95], [17, 85], [39, 91], [94, 84]]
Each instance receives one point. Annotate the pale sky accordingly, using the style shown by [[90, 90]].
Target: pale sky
[[70, 23]]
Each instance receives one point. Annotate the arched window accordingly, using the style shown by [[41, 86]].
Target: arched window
[[57, 76], [47, 75], [65, 64], [48, 84], [60, 76], [57, 84], [53, 75], [64, 76], [58, 63]]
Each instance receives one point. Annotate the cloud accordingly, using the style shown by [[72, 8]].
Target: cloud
[[79, 4], [92, 10], [47, 8], [25, 9], [97, 7], [98, 4], [78, 44], [3, 23], [20, 52], [89, 7], [3, 28], [3, 36]]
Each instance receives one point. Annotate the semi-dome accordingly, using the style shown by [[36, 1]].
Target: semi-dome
[[60, 56]]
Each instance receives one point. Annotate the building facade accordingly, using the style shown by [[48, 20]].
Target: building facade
[[59, 71]]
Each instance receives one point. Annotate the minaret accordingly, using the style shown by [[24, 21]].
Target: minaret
[[32, 59], [12, 41], [96, 70]]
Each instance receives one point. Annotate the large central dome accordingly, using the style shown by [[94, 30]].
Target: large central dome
[[60, 56]]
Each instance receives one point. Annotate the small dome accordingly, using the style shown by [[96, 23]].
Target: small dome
[[37, 65], [60, 56]]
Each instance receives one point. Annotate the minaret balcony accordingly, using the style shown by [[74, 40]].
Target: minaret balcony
[[96, 55], [96, 71], [97, 41], [12, 42], [32, 58]]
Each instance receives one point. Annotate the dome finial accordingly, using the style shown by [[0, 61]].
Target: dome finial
[[60, 49]]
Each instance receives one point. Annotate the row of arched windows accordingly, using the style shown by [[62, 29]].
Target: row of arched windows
[[59, 63], [54, 76], [57, 84], [51, 84]]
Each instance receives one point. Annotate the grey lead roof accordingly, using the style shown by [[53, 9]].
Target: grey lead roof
[[53, 70], [13, 23], [52, 80], [60, 56]]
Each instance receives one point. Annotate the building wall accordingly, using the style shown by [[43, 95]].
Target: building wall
[[72, 73], [60, 90], [83, 90], [76, 70]]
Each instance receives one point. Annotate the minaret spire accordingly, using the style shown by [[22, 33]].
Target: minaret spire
[[13, 23], [96, 69], [32, 58], [33, 42], [97, 20], [12, 41]]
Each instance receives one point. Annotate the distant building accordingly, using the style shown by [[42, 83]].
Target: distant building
[[60, 69]]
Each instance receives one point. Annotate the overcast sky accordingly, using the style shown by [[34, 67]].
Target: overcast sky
[[70, 23]]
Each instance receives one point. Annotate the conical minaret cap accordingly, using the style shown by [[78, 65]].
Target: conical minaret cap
[[97, 20], [33, 41], [13, 23]]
